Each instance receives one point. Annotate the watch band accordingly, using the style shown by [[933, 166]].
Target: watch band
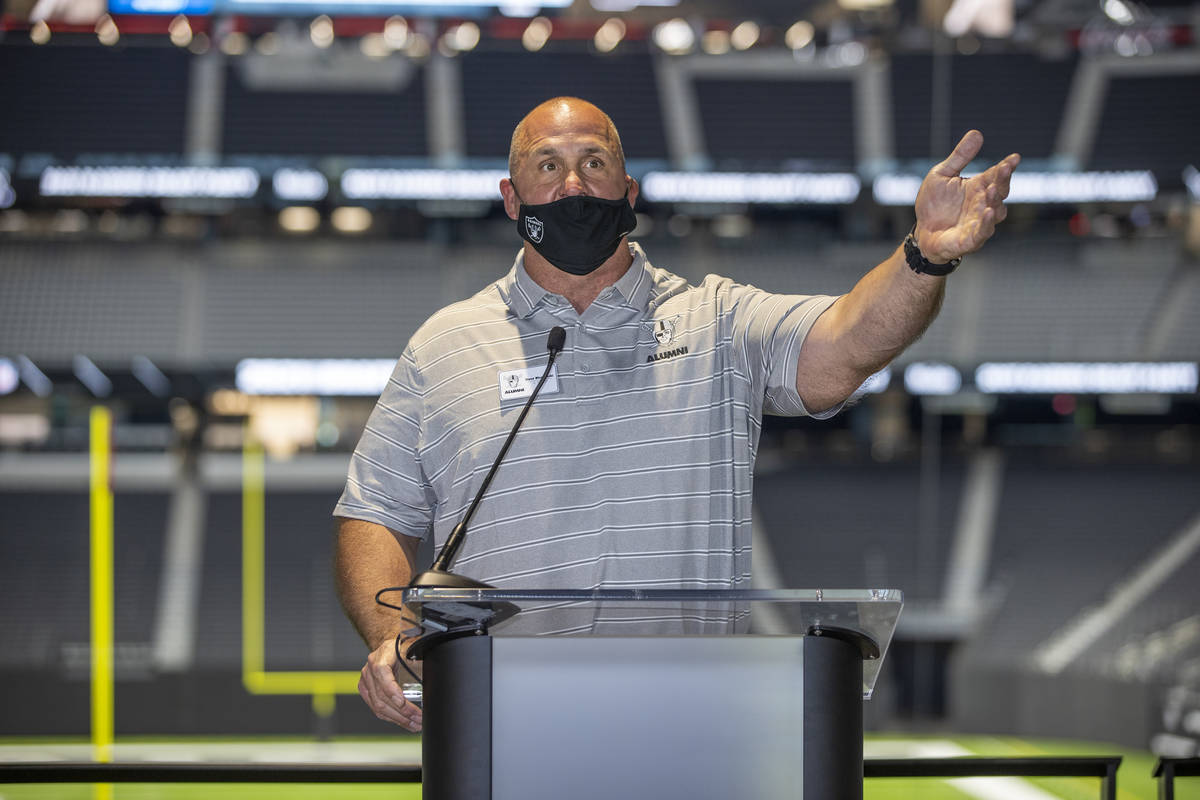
[[922, 266]]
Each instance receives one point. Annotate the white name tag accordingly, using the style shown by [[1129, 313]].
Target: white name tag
[[520, 383]]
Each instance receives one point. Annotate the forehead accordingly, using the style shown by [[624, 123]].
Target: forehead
[[566, 132]]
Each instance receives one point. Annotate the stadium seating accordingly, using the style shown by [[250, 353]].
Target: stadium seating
[[1015, 99], [1141, 126], [82, 101], [44, 578], [755, 124], [500, 86], [315, 122], [1034, 299], [72, 101], [1066, 534], [823, 535]]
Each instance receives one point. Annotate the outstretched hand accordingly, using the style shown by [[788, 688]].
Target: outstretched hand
[[956, 215]]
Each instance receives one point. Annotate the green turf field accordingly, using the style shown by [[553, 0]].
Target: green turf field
[[1134, 779]]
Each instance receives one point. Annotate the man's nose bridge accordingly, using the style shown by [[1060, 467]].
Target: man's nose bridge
[[573, 180]]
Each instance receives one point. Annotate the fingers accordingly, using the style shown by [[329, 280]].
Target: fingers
[[1000, 175], [1005, 170], [995, 184], [380, 690], [998, 180], [1009, 164], [967, 148]]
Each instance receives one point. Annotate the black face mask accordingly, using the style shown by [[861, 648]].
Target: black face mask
[[578, 233]]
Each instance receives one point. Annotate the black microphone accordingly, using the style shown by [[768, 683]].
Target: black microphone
[[440, 575], [555, 341]]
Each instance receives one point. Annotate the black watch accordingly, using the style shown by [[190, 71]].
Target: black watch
[[919, 264]]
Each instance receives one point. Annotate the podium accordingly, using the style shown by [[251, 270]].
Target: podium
[[594, 695]]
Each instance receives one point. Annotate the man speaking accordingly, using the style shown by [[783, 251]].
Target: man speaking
[[634, 467]]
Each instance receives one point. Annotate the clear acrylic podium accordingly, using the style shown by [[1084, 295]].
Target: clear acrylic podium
[[549, 694]]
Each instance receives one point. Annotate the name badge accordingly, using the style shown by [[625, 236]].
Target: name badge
[[520, 383]]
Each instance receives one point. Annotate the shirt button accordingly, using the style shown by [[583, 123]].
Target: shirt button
[[583, 367]]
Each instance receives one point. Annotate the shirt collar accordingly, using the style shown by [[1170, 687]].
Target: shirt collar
[[635, 284], [525, 294]]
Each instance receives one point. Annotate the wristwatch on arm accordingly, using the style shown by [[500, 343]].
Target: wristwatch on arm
[[919, 264]]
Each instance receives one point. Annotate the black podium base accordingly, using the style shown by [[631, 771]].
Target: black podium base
[[551, 717]]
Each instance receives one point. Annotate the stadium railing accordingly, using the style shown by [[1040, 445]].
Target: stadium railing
[[1168, 769], [1102, 767], [167, 772]]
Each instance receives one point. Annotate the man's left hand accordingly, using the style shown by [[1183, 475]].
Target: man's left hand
[[956, 215]]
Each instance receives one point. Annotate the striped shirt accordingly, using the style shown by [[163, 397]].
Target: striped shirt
[[633, 470]]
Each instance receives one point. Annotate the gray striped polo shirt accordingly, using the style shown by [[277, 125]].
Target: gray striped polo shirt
[[634, 467]]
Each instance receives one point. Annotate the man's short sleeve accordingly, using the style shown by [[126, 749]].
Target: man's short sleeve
[[769, 329], [386, 484]]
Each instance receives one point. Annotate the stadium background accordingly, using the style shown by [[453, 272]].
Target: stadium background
[[184, 197]]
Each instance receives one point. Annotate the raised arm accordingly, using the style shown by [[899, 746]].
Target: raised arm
[[893, 305], [369, 557]]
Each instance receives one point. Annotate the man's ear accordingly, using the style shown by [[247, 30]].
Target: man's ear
[[633, 191], [512, 204]]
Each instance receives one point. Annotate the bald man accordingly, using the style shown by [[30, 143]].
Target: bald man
[[634, 467]]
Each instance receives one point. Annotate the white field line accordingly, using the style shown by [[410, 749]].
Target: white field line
[[982, 788]]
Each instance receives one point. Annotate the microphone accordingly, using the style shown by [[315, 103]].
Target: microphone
[[555, 342], [440, 575]]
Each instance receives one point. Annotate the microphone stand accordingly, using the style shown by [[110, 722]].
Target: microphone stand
[[453, 619]]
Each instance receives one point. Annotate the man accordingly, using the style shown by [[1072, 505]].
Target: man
[[635, 464]]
